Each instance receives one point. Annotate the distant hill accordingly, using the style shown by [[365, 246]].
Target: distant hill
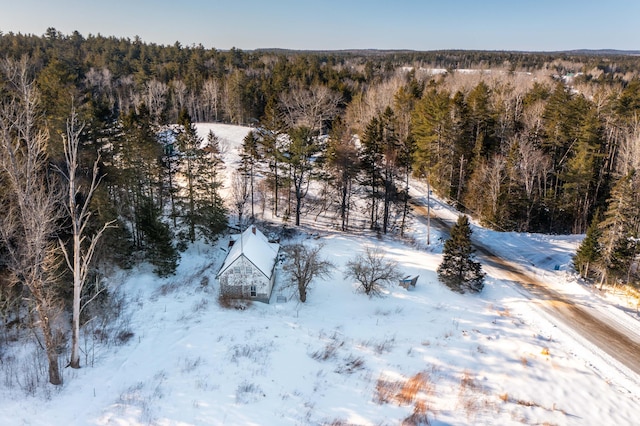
[[376, 52], [602, 52]]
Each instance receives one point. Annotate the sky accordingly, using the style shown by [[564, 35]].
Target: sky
[[541, 25]]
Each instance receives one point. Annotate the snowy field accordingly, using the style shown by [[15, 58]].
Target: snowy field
[[342, 358]]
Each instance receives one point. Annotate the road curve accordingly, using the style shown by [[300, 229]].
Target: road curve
[[622, 346]]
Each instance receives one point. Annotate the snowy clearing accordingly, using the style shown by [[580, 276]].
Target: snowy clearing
[[342, 357]]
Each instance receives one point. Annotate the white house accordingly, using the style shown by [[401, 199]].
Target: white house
[[248, 271]]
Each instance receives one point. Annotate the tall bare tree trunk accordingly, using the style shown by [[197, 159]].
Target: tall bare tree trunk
[[30, 205], [79, 213]]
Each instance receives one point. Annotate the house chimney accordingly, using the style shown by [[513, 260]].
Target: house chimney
[[253, 229]]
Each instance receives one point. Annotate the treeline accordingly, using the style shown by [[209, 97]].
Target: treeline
[[526, 142]]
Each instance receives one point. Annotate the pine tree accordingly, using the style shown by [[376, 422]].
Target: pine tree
[[160, 251], [463, 151], [371, 159], [249, 158], [458, 270], [136, 168], [404, 102], [619, 230], [582, 165], [272, 127], [302, 147], [482, 121], [343, 165], [211, 214], [189, 144], [390, 149], [432, 129], [560, 121], [58, 93], [588, 253]]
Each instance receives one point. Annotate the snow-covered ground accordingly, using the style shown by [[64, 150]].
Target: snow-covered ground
[[342, 357]]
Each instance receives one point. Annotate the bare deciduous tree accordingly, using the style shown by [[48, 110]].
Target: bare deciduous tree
[[304, 265], [124, 93], [211, 98], [100, 81], [239, 193], [83, 247], [372, 270], [495, 178], [372, 102], [309, 107], [179, 91], [30, 206], [156, 98], [629, 151]]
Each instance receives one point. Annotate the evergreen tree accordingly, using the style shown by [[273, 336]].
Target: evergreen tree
[[463, 150], [189, 145], [371, 159], [620, 229], [482, 120], [588, 253], [458, 270], [302, 147], [432, 129], [159, 248], [272, 129], [582, 165], [391, 155], [560, 121], [59, 94], [211, 214], [343, 164], [136, 173], [404, 103], [170, 167], [249, 157]]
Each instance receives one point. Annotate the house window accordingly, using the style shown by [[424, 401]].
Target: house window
[[254, 291]]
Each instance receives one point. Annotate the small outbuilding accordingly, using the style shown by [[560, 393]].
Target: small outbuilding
[[409, 281], [248, 271]]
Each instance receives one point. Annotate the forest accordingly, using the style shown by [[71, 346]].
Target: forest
[[101, 166]]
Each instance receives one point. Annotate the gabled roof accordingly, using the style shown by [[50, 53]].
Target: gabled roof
[[255, 247]]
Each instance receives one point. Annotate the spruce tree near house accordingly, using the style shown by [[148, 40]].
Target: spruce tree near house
[[459, 270]]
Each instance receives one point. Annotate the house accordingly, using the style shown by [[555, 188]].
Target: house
[[248, 271]]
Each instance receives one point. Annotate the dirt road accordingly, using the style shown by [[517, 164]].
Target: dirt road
[[622, 345]]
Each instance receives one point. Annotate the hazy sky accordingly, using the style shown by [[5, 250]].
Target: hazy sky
[[341, 24]]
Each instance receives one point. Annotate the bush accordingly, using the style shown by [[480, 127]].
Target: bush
[[228, 302]]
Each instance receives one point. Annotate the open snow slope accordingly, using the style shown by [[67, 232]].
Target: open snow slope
[[342, 357]]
